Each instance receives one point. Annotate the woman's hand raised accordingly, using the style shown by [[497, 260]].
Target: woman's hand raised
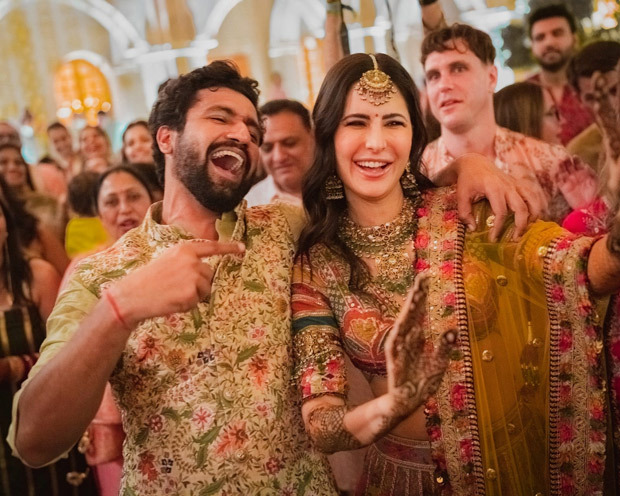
[[414, 368]]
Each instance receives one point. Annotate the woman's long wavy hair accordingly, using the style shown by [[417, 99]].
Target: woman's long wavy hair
[[323, 214], [15, 270]]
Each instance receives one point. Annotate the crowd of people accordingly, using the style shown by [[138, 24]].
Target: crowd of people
[[420, 281]]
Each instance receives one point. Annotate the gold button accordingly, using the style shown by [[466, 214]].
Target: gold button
[[240, 455], [220, 337], [542, 251], [487, 355], [501, 280], [511, 428], [538, 494], [439, 479], [537, 342], [229, 395], [490, 220], [491, 474]]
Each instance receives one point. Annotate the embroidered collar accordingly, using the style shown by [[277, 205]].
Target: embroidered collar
[[230, 227]]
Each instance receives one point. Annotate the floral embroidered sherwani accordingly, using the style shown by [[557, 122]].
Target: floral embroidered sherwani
[[566, 181], [206, 396]]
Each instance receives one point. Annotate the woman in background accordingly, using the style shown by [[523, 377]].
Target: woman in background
[[95, 149], [528, 109], [28, 289], [137, 143]]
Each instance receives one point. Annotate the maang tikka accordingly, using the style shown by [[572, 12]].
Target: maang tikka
[[375, 85]]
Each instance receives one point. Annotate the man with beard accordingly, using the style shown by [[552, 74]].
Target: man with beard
[[552, 30], [191, 329]]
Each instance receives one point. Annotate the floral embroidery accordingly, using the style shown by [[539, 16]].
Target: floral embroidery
[[207, 398]]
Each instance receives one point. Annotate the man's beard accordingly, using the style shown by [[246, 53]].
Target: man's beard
[[193, 172], [556, 66]]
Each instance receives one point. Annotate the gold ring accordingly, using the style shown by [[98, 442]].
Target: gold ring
[[490, 220]]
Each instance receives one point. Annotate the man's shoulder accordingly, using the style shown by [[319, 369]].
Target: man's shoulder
[[531, 145], [268, 216], [128, 253]]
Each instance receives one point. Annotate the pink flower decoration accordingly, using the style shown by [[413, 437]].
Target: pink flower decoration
[[557, 293], [466, 449], [566, 432], [422, 212], [447, 268], [457, 397], [566, 340], [273, 465], [422, 239], [434, 433], [449, 299], [595, 466], [447, 245], [450, 215], [421, 265]]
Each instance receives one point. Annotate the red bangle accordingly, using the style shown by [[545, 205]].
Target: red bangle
[[115, 309]]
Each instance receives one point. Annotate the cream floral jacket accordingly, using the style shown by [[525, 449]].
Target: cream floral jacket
[[206, 396]]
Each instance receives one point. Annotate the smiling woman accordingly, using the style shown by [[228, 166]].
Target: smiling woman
[[458, 335]]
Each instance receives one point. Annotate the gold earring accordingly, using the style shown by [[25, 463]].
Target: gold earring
[[333, 188], [408, 182]]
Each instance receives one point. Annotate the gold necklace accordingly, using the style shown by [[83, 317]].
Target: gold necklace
[[386, 244]]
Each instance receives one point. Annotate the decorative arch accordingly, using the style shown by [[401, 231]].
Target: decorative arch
[[122, 32], [100, 65]]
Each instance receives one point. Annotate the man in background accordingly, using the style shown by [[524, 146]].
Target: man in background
[[552, 29], [286, 152]]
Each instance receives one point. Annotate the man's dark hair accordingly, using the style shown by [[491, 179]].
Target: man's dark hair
[[599, 56], [56, 125], [446, 38], [177, 96], [284, 105], [548, 11]]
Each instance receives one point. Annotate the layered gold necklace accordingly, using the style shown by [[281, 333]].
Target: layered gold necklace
[[386, 245]]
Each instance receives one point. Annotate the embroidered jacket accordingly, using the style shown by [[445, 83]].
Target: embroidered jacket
[[206, 396]]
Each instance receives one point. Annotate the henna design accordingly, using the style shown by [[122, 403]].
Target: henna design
[[415, 370], [327, 430]]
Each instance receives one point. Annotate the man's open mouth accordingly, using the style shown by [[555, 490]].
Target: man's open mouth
[[228, 160]]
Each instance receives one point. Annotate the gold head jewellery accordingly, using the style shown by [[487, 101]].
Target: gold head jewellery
[[375, 85], [386, 245]]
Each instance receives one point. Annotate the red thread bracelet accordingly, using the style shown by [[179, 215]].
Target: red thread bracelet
[[115, 309]]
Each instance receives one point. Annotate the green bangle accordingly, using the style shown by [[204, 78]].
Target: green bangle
[[334, 7]]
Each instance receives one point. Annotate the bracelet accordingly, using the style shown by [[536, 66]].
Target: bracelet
[[425, 3], [334, 7], [117, 313]]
